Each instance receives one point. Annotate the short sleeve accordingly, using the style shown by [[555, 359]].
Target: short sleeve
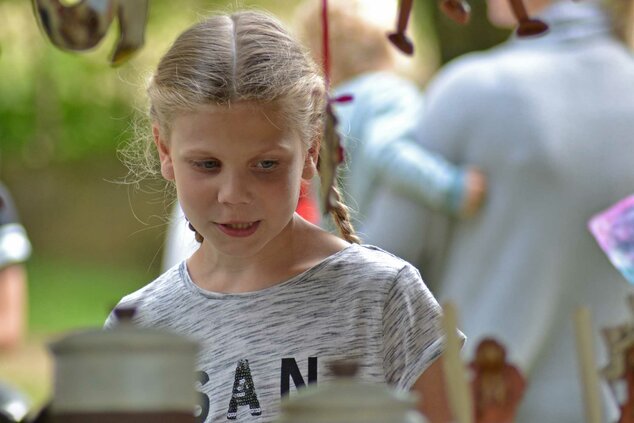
[[412, 333], [14, 243]]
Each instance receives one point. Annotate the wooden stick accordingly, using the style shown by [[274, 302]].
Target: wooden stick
[[458, 390], [587, 365]]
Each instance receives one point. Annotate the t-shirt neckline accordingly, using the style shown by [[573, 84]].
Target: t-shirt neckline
[[191, 286]]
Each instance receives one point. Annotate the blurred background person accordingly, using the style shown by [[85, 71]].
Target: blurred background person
[[549, 120], [15, 248], [378, 125]]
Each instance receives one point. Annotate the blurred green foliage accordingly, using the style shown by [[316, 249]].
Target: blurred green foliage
[[455, 40], [58, 106], [56, 306]]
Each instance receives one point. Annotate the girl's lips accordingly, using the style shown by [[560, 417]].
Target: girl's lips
[[238, 230]]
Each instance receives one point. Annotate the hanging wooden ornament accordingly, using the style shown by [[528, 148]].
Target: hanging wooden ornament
[[527, 26], [457, 10], [81, 26], [399, 38]]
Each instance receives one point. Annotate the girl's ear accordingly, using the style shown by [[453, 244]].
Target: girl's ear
[[312, 157], [167, 168]]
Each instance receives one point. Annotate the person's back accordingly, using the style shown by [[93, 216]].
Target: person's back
[[550, 122]]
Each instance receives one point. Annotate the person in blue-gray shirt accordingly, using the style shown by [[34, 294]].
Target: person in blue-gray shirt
[[550, 120]]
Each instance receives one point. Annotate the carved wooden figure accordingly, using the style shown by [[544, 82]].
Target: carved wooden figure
[[527, 25], [617, 339], [620, 368], [81, 26], [497, 386], [458, 10], [627, 408], [399, 38]]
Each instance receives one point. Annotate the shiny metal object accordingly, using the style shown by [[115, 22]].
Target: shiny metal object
[[14, 406], [83, 25], [132, 20]]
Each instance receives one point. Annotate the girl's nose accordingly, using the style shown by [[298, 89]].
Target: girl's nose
[[234, 189]]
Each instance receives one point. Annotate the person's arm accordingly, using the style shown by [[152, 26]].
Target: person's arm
[[13, 304], [431, 389], [402, 164], [410, 169], [414, 343]]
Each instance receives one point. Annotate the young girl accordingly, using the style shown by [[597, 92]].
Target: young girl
[[237, 109]]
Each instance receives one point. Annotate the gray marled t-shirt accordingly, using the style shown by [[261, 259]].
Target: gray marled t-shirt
[[360, 303]]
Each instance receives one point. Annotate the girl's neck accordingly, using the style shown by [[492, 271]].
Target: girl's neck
[[299, 247]]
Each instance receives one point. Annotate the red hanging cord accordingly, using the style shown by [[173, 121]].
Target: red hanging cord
[[325, 43]]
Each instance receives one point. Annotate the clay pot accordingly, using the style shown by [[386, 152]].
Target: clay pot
[[349, 400], [123, 373]]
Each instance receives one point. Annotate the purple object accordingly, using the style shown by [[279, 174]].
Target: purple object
[[614, 231]]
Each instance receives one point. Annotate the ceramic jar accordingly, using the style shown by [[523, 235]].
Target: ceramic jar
[[349, 400], [124, 374]]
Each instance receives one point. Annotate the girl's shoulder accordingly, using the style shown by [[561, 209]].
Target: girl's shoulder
[[159, 291], [331, 252], [365, 262]]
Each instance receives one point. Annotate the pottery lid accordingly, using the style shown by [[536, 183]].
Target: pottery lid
[[348, 392], [124, 337]]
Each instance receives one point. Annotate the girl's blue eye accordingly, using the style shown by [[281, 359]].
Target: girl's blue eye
[[207, 164], [267, 164]]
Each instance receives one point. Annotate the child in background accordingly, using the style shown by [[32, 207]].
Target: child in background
[[379, 125], [237, 110]]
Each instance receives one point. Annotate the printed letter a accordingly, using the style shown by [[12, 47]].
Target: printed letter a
[[243, 392]]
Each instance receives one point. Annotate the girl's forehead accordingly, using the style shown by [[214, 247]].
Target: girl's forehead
[[242, 111], [242, 106], [236, 122]]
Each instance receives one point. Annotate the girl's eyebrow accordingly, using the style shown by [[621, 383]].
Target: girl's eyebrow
[[274, 149], [282, 148]]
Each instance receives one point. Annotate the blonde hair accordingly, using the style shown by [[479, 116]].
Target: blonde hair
[[358, 42], [244, 56]]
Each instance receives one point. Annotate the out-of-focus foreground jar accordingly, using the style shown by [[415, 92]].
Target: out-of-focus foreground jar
[[124, 374], [348, 400]]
